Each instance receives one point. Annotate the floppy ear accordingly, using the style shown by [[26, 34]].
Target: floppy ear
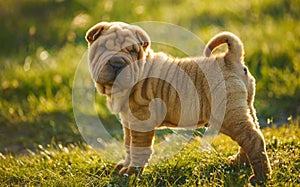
[[93, 33], [143, 37]]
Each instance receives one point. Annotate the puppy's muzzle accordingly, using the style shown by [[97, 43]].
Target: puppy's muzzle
[[117, 63], [111, 70]]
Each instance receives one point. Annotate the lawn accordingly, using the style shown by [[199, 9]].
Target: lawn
[[80, 165]]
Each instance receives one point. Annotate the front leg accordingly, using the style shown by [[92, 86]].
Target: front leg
[[140, 151], [126, 138]]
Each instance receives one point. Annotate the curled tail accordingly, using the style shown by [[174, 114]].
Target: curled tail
[[235, 51]]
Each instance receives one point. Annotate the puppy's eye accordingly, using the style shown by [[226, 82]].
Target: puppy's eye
[[133, 52], [245, 71]]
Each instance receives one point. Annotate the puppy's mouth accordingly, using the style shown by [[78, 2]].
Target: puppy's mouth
[[111, 70], [107, 82], [104, 89], [108, 89]]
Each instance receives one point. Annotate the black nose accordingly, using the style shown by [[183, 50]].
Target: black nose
[[117, 62]]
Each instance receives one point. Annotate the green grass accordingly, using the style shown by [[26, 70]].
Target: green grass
[[38, 96], [74, 165]]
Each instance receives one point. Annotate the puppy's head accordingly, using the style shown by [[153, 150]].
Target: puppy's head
[[113, 46]]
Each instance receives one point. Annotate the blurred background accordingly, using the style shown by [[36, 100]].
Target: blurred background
[[42, 42]]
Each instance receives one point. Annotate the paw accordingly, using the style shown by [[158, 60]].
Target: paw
[[255, 181], [131, 170], [237, 160], [118, 167]]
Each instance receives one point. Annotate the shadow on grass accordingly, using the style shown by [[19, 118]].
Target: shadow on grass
[[58, 126], [192, 174]]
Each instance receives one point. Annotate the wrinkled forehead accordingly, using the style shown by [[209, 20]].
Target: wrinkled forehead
[[117, 36]]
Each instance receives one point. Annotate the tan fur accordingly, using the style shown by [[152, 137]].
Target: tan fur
[[240, 122]]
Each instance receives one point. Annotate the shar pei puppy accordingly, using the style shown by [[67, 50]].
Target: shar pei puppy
[[153, 89]]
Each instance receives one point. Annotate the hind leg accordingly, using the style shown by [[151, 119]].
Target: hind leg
[[252, 144], [241, 158]]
